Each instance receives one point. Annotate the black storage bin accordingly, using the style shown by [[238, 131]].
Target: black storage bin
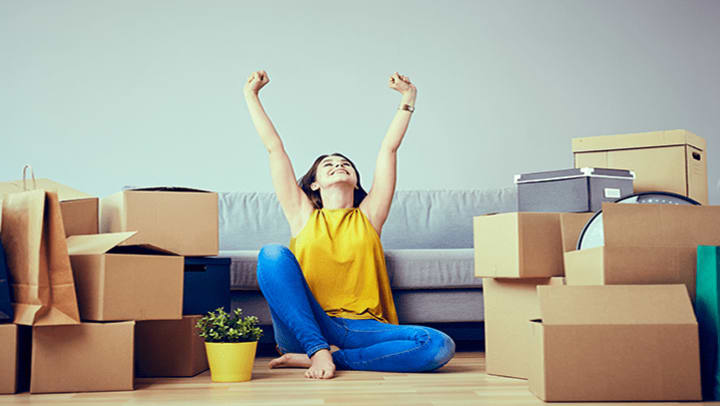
[[206, 284], [572, 190]]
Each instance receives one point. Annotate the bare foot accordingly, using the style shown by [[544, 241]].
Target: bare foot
[[322, 366], [291, 360]]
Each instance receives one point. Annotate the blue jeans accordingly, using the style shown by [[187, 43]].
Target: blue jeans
[[302, 326]]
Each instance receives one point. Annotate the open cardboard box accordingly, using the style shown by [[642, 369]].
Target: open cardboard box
[[518, 245], [670, 161], [79, 210], [116, 283], [508, 305], [82, 358], [646, 244], [180, 220], [615, 343]]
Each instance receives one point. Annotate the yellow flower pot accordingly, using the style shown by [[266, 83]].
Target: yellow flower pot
[[231, 362]]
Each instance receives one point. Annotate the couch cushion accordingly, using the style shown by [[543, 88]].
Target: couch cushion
[[407, 269], [441, 219], [417, 219]]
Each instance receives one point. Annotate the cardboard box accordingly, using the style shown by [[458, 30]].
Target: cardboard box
[[646, 244], [82, 358], [169, 348], [207, 285], [14, 358], [183, 221], [615, 343], [518, 245], [572, 190], [509, 304], [669, 161], [79, 210], [124, 282]]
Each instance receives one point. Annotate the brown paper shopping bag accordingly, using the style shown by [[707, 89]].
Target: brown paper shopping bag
[[34, 239]]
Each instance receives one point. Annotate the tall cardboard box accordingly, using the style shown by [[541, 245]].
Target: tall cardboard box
[[169, 348], [82, 358], [115, 283], [509, 304], [646, 244], [79, 210], [615, 343], [180, 220], [14, 358], [518, 245], [669, 161]]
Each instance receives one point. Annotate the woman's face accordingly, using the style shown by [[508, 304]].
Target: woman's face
[[333, 170]]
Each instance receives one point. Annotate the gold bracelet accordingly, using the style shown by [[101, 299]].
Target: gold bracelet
[[407, 107]]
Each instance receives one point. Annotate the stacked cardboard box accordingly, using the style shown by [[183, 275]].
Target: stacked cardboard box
[[670, 161], [185, 222], [515, 253], [622, 327], [125, 280]]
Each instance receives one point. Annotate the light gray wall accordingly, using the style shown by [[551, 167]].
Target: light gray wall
[[101, 94]]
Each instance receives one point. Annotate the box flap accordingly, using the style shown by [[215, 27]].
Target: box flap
[[96, 243], [141, 249], [64, 192], [660, 225], [165, 189], [637, 140], [615, 304]]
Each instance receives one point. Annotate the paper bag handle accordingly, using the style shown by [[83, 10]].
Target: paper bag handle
[[32, 174]]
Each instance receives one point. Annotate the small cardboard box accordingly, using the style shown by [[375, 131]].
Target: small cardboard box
[[615, 343], [572, 190], [180, 220], [79, 210], [509, 304], [115, 283], [207, 285], [669, 161], [169, 348], [14, 358], [646, 244], [82, 358], [518, 245]]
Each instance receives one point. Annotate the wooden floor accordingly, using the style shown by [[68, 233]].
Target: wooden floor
[[461, 382]]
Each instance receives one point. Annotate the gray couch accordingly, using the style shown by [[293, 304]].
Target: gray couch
[[428, 243]]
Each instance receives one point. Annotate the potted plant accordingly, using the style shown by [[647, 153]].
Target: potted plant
[[231, 343]]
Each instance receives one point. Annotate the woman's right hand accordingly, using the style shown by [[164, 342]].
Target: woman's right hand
[[256, 81]]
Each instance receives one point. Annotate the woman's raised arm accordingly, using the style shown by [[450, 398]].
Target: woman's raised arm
[[295, 204], [376, 205]]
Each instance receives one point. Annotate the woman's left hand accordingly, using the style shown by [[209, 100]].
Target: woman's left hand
[[401, 83]]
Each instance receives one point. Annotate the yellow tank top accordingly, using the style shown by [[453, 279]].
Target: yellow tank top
[[342, 259]]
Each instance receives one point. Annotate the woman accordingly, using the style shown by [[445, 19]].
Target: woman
[[330, 288]]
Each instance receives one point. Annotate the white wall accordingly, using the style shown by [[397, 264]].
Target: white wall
[[101, 94]]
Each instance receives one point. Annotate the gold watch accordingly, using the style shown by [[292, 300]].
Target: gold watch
[[407, 107]]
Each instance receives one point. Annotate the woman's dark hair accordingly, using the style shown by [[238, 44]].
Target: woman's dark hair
[[314, 195]]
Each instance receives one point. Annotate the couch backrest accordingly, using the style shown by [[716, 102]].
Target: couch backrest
[[417, 219]]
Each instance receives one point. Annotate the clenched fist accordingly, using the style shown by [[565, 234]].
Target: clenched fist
[[256, 81], [401, 83]]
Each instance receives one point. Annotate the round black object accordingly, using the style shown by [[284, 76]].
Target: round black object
[[593, 235]]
